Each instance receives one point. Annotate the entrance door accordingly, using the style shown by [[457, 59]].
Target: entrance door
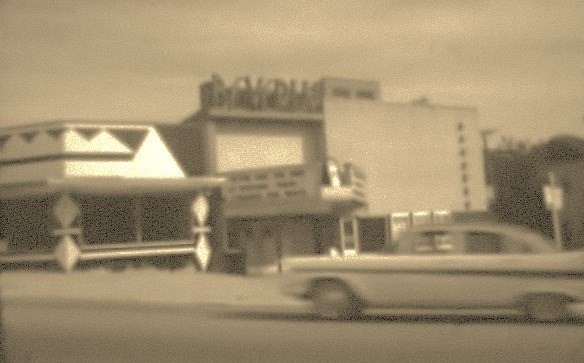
[[297, 237], [263, 246], [268, 240]]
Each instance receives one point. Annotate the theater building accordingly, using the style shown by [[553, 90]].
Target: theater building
[[280, 143], [285, 195]]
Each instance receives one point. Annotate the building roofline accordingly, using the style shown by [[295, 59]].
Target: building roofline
[[85, 123], [340, 78], [381, 101], [109, 185], [429, 105], [262, 115]]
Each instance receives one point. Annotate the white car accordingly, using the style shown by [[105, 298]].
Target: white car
[[447, 267]]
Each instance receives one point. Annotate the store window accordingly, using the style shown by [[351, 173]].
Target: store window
[[164, 218], [108, 220], [234, 243], [135, 219], [238, 232], [25, 226], [373, 233]]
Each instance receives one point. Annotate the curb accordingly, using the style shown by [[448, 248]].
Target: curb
[[137, 304], [65, 303]]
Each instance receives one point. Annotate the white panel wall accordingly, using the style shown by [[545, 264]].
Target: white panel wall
[[42, 144], [152, 160], [30, 172], [248, 144], [241, 151], [410, 153]]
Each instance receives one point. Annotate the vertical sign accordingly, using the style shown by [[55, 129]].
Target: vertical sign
[[554, 200], [349, 235]]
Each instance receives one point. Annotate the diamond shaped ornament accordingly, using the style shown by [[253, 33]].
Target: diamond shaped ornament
[[67, 253], [203, 252], [200, 209], [66, 210]]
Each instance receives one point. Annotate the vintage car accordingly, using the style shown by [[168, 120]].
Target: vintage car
[[448, 267]]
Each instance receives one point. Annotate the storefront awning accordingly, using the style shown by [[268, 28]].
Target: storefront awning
[[109, 186]]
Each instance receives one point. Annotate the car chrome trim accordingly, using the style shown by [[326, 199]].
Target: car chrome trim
[[517, 273]]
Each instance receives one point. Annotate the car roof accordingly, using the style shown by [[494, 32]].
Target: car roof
[[494, 227], [507, 229]]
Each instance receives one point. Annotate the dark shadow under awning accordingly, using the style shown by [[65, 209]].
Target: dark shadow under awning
[[109, 186]]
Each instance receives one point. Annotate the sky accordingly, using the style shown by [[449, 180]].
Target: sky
[[521, 63]]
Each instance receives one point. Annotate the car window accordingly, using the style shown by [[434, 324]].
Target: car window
[[514, 245], [438, 242], [483, 243], [494, 243]]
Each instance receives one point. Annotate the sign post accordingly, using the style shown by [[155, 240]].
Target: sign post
[[554, 200]]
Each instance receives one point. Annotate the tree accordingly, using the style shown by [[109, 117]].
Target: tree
[[518, 175]]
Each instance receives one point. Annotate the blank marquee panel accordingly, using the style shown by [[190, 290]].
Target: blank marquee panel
[[238, 151]]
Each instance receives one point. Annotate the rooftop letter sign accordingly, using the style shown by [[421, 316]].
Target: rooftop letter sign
[[273, 94]]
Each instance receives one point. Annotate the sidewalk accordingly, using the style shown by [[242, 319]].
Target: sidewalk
[[145, 286]]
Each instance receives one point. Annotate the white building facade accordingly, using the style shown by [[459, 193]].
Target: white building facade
[[417, 156]]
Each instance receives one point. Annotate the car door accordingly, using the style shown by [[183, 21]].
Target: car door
[[437, 273], [483, 275], [442, 268], [419, 275]]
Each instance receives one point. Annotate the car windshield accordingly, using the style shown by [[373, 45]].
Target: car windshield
[[462, 241]]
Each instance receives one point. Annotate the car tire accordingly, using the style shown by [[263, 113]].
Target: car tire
[[546, 307], [333, 300]]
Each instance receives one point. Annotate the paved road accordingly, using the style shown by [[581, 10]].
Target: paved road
[[112, 333]]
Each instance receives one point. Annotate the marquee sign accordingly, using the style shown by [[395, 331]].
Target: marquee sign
[[273, 94]]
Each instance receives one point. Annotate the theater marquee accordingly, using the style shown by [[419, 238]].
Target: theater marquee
[[273, 94]]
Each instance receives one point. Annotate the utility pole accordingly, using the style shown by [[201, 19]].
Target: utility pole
[[487, 161]]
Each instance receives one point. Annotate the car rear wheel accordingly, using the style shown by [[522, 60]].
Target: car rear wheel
[[333, 300], [546, 307]]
